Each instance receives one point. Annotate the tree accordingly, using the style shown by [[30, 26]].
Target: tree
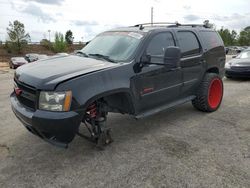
[[229, 37], [46, 43], [69, 37], [244, 38], [60, 44], [17, 36]]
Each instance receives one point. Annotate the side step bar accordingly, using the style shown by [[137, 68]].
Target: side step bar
[[164, 107]]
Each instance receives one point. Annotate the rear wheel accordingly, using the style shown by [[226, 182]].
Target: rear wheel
[[210, 93]]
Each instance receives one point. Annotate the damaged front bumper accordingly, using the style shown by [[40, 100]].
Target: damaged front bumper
[[57, 128]]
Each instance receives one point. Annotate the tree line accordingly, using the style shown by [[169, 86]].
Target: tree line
[[232, 38], [18, 38]]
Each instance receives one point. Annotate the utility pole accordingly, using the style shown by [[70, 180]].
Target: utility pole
[[152, 15], [49, 34]]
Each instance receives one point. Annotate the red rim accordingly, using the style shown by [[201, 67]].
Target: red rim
[[215, 93]]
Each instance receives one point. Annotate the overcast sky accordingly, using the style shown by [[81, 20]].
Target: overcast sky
[[87, 18]]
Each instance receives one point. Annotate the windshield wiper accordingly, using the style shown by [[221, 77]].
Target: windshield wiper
[[82, 53], [105, 57]]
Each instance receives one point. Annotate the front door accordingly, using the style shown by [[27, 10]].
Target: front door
[[157, 85]]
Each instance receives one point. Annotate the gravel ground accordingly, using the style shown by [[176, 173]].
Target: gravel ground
[[181, 147]]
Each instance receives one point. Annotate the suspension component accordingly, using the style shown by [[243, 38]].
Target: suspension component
[[95, 121], [92, 110]]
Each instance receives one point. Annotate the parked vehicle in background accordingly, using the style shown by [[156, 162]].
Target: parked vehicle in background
[[139, 70], [234, 50], [226, 50], [34, 57], [239, 66], [60, 54], [42, 56], [17, 62], [31, 57]]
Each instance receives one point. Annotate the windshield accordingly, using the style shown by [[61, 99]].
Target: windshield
[[117, 46], [244, 55]]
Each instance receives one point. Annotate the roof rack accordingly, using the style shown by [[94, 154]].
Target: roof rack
[[170, 24]]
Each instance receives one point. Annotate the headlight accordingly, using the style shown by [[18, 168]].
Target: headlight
[[228, 65], [55, 101]]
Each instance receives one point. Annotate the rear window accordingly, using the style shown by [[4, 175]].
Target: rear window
[[211, 39], [189, 43]]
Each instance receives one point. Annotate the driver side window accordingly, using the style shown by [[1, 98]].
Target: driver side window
[[157, 46]]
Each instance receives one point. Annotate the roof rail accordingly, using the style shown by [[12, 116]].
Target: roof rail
[[155, 24], [191, 25], [170, 24]]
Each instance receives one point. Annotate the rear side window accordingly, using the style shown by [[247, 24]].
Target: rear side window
[[189, 43], [158, 44], [211, 39]]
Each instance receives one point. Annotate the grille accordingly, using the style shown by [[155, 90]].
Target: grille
[[240, 68], [28, 95]]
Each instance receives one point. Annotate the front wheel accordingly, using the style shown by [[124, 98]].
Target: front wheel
[[209, 94]]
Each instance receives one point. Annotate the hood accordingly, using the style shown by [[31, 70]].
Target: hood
[[239, 62], [46, 74]]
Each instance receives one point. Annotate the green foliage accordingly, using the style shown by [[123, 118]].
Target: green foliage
[[244, 38], [229, 37], [46, 43], [69, 37], [18, 38], [8, 47], [60, 44]]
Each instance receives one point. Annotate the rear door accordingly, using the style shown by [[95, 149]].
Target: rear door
[[192, 60]]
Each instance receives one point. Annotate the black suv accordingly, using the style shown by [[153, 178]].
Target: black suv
[[138, 70]]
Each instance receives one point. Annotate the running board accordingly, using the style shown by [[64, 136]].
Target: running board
[[164, 107]]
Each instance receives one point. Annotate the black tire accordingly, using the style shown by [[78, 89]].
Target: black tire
[[209, 94]]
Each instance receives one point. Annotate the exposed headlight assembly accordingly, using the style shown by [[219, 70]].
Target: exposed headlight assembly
[[55, 101]]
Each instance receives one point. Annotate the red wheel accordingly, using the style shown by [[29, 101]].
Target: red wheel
[[215, 93], [209, 94]]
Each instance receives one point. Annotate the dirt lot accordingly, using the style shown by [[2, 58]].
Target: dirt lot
[[181, 147]]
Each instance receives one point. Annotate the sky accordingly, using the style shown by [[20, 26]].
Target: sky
[[87, 18]]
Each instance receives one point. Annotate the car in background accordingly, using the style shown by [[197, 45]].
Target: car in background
[[31, 57], [234, 50], [226, 50], [62, 54], [35, 57], [42, 56], [239, 66], [17, 61]]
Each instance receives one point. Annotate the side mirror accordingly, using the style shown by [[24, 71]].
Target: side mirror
[[172, 56], [146, 59]]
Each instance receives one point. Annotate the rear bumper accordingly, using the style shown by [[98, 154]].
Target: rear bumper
[[240, 74], [58, 128]]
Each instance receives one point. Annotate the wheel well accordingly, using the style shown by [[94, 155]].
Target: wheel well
[[121, 102], [115, 102], [213, 70]]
